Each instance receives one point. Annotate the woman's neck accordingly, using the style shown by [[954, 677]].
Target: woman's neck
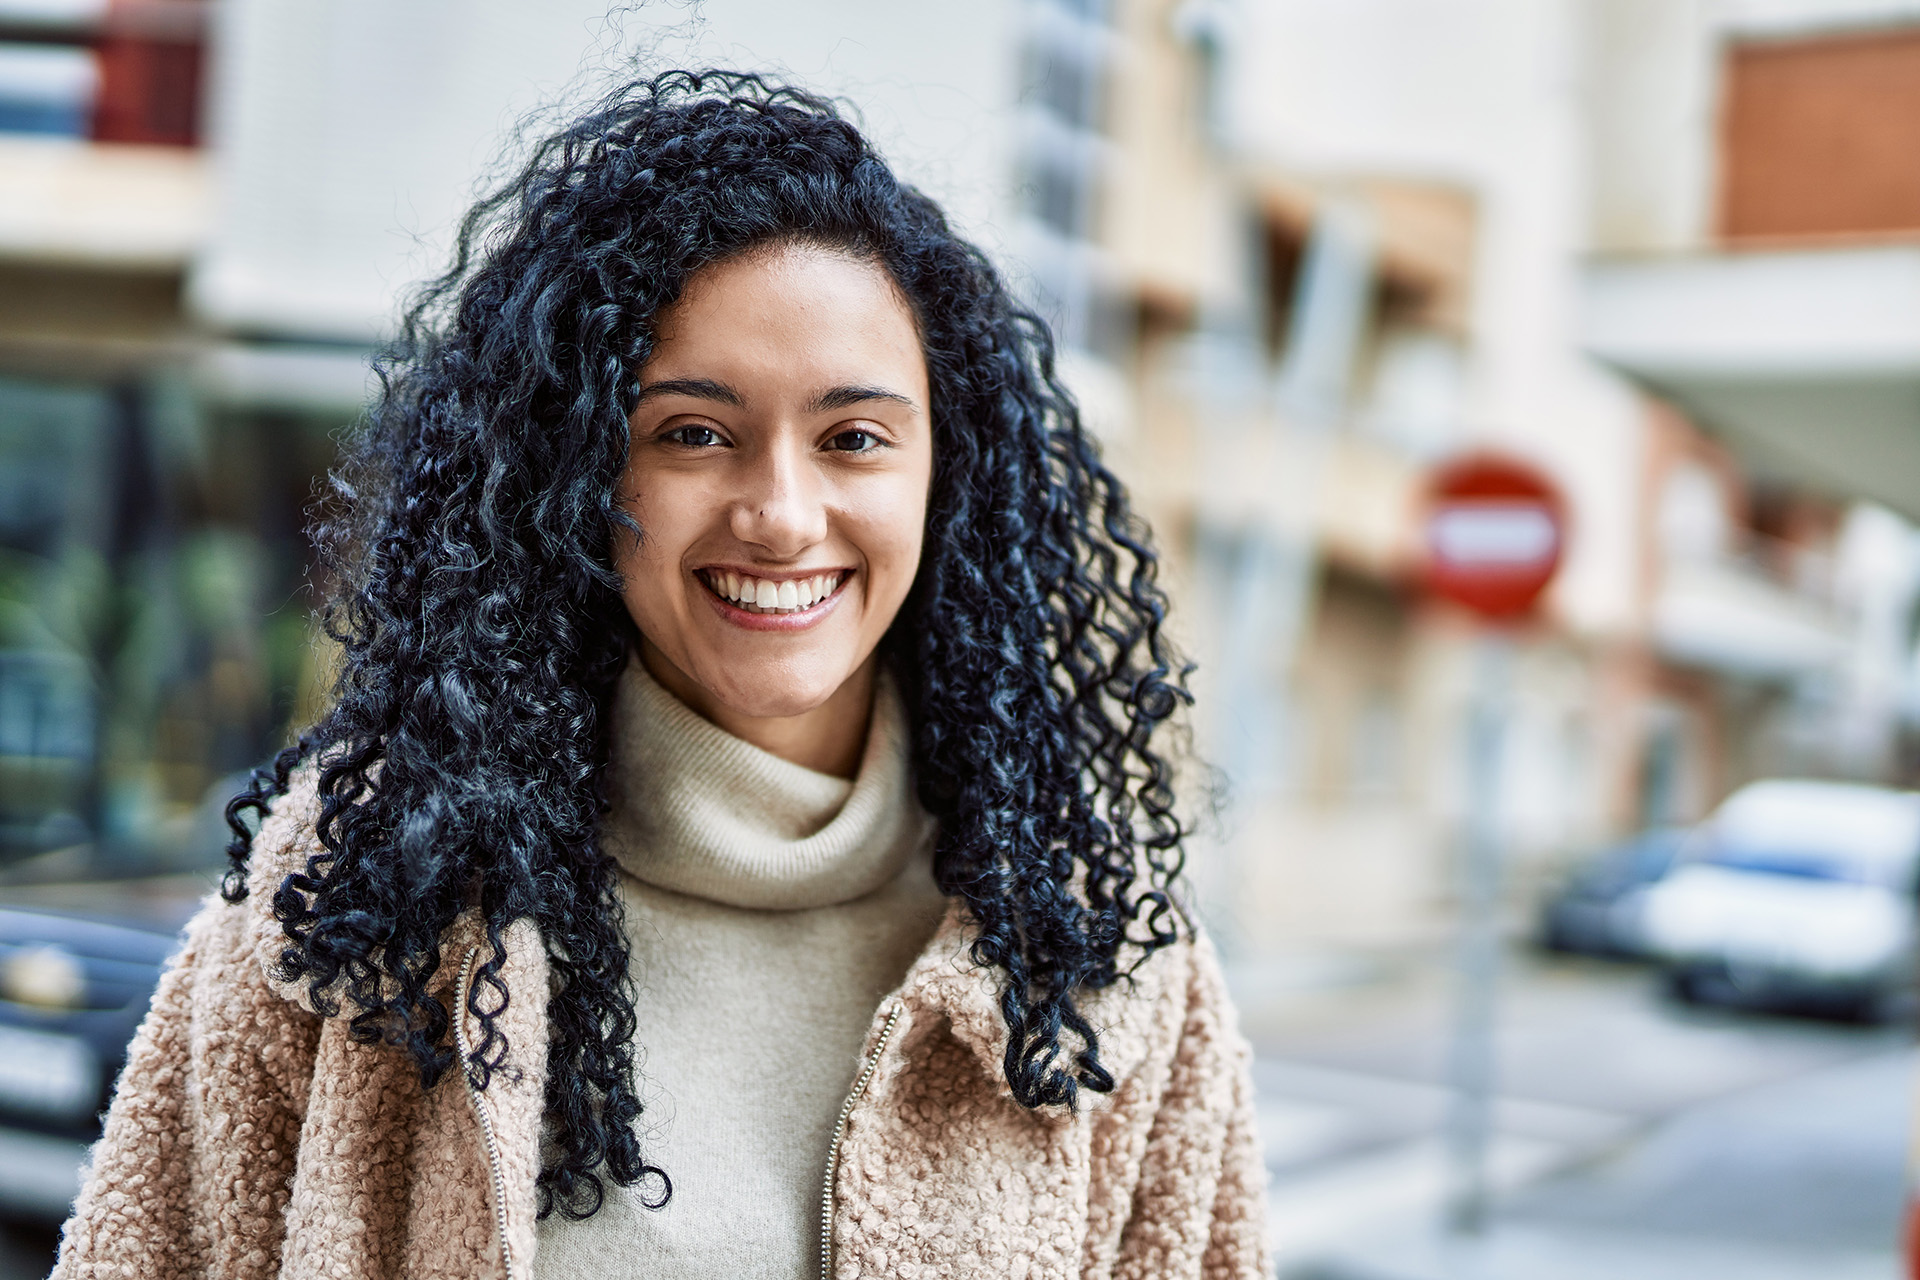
[[828, 738]]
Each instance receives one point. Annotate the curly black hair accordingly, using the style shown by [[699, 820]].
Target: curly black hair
[[470, 549]]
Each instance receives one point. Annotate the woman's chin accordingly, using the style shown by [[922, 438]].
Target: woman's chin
[[775, 693]]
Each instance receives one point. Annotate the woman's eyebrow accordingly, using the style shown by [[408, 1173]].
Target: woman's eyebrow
[[843, 396], [698, 388]]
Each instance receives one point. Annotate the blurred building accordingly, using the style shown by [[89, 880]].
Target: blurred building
[[1300, 263], [1755, 211], [150, 627], [1654, 247]]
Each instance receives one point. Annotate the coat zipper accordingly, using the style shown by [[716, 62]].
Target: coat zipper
[[482, 1114], [839, 1132]]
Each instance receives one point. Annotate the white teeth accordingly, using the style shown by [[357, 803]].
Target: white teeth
[[764, 596]]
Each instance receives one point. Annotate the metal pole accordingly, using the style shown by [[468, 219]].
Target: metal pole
[[1471, 1061]]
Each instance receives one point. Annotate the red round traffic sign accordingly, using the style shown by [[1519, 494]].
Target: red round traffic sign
[[1494, 530]]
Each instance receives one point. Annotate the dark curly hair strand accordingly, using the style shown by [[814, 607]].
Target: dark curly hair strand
[[470, 552]]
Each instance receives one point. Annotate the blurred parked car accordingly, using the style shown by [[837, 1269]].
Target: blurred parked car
[[82, 942], [1598, 910], [72, 991], [1798, 895]]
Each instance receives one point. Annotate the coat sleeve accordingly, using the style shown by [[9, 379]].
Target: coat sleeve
[[190, 1176], [1199, 1207]]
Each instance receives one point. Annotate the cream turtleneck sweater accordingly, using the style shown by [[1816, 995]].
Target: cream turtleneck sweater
[[770, 909]]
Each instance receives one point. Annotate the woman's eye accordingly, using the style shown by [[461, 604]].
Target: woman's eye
[[694, 437], [854, 440]]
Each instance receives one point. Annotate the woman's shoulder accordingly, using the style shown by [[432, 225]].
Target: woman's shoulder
[[283, 861], [216, 1016], [221, 943], [1171, 1003], [288, 835], [231, 946]]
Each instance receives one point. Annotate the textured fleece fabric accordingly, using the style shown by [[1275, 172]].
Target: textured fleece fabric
[[251, 1137], [770, 909]]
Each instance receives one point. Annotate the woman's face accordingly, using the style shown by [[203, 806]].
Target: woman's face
[[781, 455]]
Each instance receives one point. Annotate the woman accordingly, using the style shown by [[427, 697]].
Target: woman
[[738, 845]]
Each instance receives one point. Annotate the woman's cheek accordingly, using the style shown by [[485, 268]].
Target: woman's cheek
[[893, 548]]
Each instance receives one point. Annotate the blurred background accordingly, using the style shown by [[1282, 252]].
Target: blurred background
[[1297, 251]]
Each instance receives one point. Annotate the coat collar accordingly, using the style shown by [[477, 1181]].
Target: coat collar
[[946, 983]]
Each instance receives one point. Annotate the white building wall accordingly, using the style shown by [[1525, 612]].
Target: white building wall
[[350, 136], [1651, 87], [1801, 17]]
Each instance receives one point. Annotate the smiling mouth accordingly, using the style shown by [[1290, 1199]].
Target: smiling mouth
[[763, 595]]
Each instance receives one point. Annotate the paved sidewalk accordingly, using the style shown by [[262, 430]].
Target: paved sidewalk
[[1518, 1252], [1634, 1140]]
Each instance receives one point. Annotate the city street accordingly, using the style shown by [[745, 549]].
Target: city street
[[1462, 455], [1635, 1138]]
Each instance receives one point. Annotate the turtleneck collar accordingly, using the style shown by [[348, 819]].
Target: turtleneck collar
[[700, 812]]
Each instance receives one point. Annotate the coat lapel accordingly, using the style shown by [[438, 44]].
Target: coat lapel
[[942, 1172]]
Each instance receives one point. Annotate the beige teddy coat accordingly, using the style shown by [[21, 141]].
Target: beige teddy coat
[[250, 1137]]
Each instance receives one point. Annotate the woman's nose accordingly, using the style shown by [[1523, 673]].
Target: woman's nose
[[780, 507]]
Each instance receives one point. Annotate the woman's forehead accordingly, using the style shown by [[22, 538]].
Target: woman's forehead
[[799, 320]]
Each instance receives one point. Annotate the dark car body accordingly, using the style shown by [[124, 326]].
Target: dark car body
[[1597, 910], [73, 990]]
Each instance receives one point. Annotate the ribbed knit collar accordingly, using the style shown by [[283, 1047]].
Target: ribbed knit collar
[[700, 812]]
